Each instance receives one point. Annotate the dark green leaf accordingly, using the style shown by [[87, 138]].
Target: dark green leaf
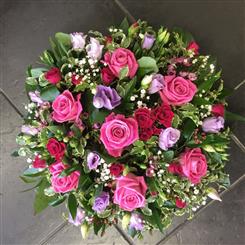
[[72, 205], [233, 116], [98, 116], [124, 25], [57, 201], [147, 65], [33, 172], [189, 128], [49, 93], [207, 85], [200, 101], [168, 156]]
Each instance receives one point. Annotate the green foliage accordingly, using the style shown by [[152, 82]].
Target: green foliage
[[147, 65], [49, 93], [72, 205]]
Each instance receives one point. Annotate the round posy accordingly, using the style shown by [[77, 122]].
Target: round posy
[[124, 128]]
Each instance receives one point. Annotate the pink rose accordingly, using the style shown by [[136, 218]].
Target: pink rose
[[130, 192], [193, 46], [178, 90], [193, 164], [118, 132], [53, 75], [66, 108], [66, 183], [119, 59]]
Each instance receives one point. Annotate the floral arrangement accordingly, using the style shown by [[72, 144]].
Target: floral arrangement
[[125, 128]]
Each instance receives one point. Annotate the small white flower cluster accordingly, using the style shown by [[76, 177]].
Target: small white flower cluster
[[31, 109], [112, 29], [212, 67], [142, 96], [104, 172]]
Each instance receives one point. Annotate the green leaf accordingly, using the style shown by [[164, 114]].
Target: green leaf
[[98, 116], [63, 38], [168, 155], [126, 220], [124, 25], [123, 73], [36, 72], [72, 205], [49, 93], [186, 36], [207, 85], [33, 172], [57, 201], [189, 127], [233, 116], [98, 190], [147, 65], [146, 211], [57, 129], [27, 179], [104, 214], [200, 101], [81, 87], [69, 170], [129, 89]]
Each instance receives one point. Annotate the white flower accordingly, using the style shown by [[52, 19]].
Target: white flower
[[78, 40], [94, 49]]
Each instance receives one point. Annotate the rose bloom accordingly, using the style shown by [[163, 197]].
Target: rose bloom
[[193, 164], [213, 124], [130, 192], [66, 183], [146, 133], [38, 163], [178, 90], [116, 169], [143, 117], [193, 46], [179, 203], [175, 168], [107, 76], [56, 148], [66, 108], [218, 110], [118, 132], [168, 138], [163, 114], [53, 75], [120, 58]]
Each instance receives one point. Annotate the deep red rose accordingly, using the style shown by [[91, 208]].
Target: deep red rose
[[175, 168], [38, 163], [193, 46], [56, 148], [143, 117], [116, 169], [218, 110], [163, 114], [107, 75], [53, 75], [76, 79], [156, 131], [145, 133], [179, 203]]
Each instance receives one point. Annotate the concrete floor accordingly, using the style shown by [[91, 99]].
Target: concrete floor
[[25, 25]]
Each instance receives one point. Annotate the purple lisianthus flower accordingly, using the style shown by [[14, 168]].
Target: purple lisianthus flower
[[106, 97], [93, 160], [157, 84], [101, 202], [78, 40], [136, 222], [94, 49], [27, 129], [79, 217], [168, 137], [35, 97], [213, 124], [148, 41]]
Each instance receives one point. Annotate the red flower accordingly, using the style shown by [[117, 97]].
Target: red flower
[[193, 46], [175, 168], [143, 117], [179, 203], [108, 39], [163, 114], [218, 110], [75, 79], [145, 133], [56, 148], [156, 131], [116, 169], [107, 75], [53, 75], [39, 163]]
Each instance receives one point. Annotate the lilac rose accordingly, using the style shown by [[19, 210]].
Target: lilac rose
[[35, 97], [93, 160], [78, 40], [78, 219], [168, 138], [106, 97], [94, 49], [28, 129], [213, 124], [157, 84], [148, 41], [101, 202], [136, 222]]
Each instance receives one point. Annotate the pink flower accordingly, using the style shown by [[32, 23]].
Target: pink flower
[[130, 192], [179, 203], [218, 110], [119, 59], [53, 75], [66, 108], [38, 163], [178, 90], [193, 46], [66, 183], [118, 132], [193, 164], [107, 75], [175, 168]]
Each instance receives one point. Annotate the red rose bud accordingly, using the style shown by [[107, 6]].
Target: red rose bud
[[38, 163], [75, 79], [193, 46], [145, 133], [116, 169], [53, 75], [163, 114], [143, 117], [56, 148], [107, 75], [218, 110], [175, 168], [179, 203]]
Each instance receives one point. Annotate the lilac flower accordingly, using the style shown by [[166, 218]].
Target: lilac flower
[[136, 222], [93, 160], [94, 49], [101, 202], [28, 129], [168, 137], [148, 41], [79, 217], [106, 97], [213, 124], [35, 97], [157, 83], [78, 40]]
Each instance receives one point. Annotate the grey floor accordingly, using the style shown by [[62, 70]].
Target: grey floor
[[25, 25]]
